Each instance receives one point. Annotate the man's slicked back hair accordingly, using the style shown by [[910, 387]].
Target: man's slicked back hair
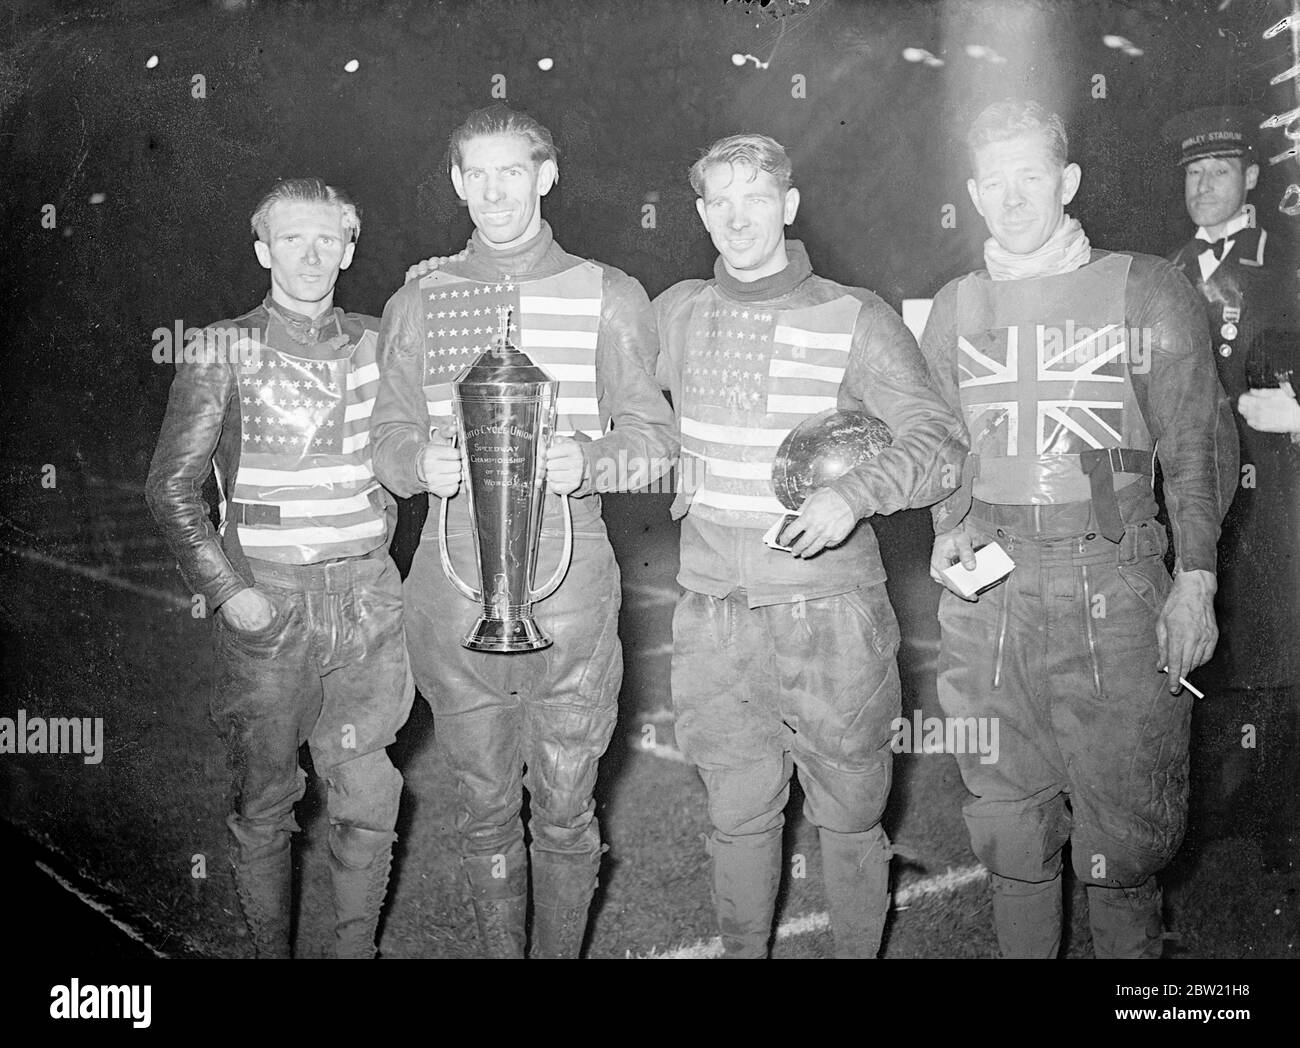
[[1013, 118], [307, 191], [500, 119], [756, 151]]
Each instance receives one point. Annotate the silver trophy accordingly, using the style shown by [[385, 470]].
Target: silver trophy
[[505, 409]]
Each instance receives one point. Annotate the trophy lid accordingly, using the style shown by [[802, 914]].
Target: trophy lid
[[503, 363]]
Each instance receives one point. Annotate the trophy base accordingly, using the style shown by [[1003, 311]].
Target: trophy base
[[507, 635]]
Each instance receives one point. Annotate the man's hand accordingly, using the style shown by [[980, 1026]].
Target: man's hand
[[440, 469], [1270, 410], [949, 548], [825, 520], [248, 611], [565, 465], [435, 262], [1186, 631]]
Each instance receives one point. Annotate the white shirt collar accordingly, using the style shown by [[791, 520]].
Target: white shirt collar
[[1244, 220]]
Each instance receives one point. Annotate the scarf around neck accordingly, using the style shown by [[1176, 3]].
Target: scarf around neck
[[796, 271], [1065, 251]]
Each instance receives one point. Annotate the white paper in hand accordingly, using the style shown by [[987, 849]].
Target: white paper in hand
[[992, 565], [774, 535]]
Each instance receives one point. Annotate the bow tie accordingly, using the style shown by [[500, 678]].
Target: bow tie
[[1219, 247]]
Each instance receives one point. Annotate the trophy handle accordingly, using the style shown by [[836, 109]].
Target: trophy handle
[[566, 555], [447, 569]]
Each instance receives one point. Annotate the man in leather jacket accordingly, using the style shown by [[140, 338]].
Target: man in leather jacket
[[1074, 368], [788, 659], [309, 635], [539, 719]]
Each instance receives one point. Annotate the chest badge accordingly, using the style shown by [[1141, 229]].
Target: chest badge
[[1231, 314]]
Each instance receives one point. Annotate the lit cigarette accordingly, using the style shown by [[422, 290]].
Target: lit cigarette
[[1188, 685]]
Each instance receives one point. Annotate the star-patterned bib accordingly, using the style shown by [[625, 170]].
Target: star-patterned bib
[[751, 374], [557, 323], [305, 490]]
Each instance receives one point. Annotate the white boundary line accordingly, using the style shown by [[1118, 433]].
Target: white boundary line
[[658, 651], [943, 884], [99, 908], [641, 744], [658, 749], [661, 750], [98, 574], [640, 594]]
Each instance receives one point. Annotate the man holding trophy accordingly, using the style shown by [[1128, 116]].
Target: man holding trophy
[[786, 656], [519, 700]]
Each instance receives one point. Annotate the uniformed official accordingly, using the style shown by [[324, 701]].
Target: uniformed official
[[1250, 295]]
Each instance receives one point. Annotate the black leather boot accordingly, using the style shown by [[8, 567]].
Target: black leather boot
[[264, 887], [498, 885], [358, 900], [1127, 923], [562, 891], [746, 876], [855, 868]]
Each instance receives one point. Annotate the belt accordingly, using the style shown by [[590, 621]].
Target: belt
[[1100, 465], [323, 573], [1058, 520], [253, 513]]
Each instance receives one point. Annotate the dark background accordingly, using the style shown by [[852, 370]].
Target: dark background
[[636, 91]]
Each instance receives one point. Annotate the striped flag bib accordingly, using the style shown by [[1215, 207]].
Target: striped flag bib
[[751, 374], [305, 491], [555, 320]]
